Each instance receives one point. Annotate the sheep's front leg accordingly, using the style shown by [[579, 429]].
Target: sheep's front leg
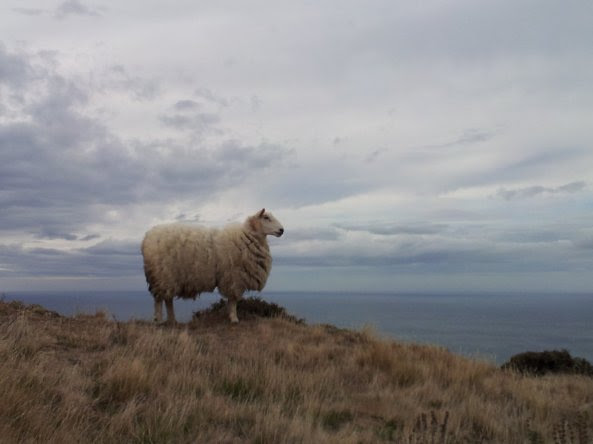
[[158, 309], [170, 312], [232, 307]]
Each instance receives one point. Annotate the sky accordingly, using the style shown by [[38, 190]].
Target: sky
[[435, 146]]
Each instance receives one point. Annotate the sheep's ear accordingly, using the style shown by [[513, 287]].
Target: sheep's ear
[[261, 213]]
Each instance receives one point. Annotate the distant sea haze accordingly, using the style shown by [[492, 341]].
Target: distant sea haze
[[488, 326]]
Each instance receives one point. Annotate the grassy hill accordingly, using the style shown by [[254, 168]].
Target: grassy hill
[[266, 380]]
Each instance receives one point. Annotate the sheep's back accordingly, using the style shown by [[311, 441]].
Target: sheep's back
[[179, 260]]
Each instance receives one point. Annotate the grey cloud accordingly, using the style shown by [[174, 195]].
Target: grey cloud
[[256, 103], [300, 185], [585, 243], [418, 261], [90, 237], [117, 78], [15, 70], [189, 115], [443, 255], [29, 11], [312, 234], [469, 137], [572, 187], [114, 247], [533, 191], [542, 161], [514, 165], [532, 235], [184, 105], [209, 96], [583, 239], [182, 217], [455, 214], [521, 192], [58, 167], [74, 7], [47, 219], [474, 31], [539, 164], [61, 155], [199, 122], [106, 259], [436, 36], [237, 157], [420, 228], [203, 171], [373, 155], [48, 233]]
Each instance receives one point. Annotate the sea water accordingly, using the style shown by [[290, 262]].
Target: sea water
[[487, 326]]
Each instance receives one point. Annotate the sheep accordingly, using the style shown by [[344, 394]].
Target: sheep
[[183, 261]]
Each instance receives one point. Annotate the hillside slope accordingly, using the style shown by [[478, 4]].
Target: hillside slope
[[266, 380]]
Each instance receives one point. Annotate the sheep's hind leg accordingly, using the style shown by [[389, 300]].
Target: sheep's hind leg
[[170, 312], [232, 307], [158, 309]]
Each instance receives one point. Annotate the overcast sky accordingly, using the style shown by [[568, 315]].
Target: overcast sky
[[405, 146]]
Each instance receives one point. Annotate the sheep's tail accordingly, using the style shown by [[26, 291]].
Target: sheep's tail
[[147, 271]]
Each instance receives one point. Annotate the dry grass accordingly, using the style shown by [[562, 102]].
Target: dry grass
[[88, 379]]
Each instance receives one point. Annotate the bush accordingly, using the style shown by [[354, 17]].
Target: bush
[[249, 308], [554, 361]]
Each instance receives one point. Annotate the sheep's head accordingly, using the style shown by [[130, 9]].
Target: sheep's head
[[264, 223]]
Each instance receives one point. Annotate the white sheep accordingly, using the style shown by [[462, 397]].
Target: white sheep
[[183, 261]]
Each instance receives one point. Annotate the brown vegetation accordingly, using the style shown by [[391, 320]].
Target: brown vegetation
[[266, 380]]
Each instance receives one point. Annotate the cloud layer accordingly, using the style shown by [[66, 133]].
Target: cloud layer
[[60, 168], [404, 146]]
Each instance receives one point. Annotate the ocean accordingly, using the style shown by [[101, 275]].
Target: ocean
[[492, 327]]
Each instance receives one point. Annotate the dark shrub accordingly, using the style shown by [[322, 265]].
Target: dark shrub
[[248, 308], [554, 361]]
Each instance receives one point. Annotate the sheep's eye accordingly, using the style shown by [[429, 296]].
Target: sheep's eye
[[266, 217]]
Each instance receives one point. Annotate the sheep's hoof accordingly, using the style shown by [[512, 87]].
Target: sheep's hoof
[[234, 320]]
